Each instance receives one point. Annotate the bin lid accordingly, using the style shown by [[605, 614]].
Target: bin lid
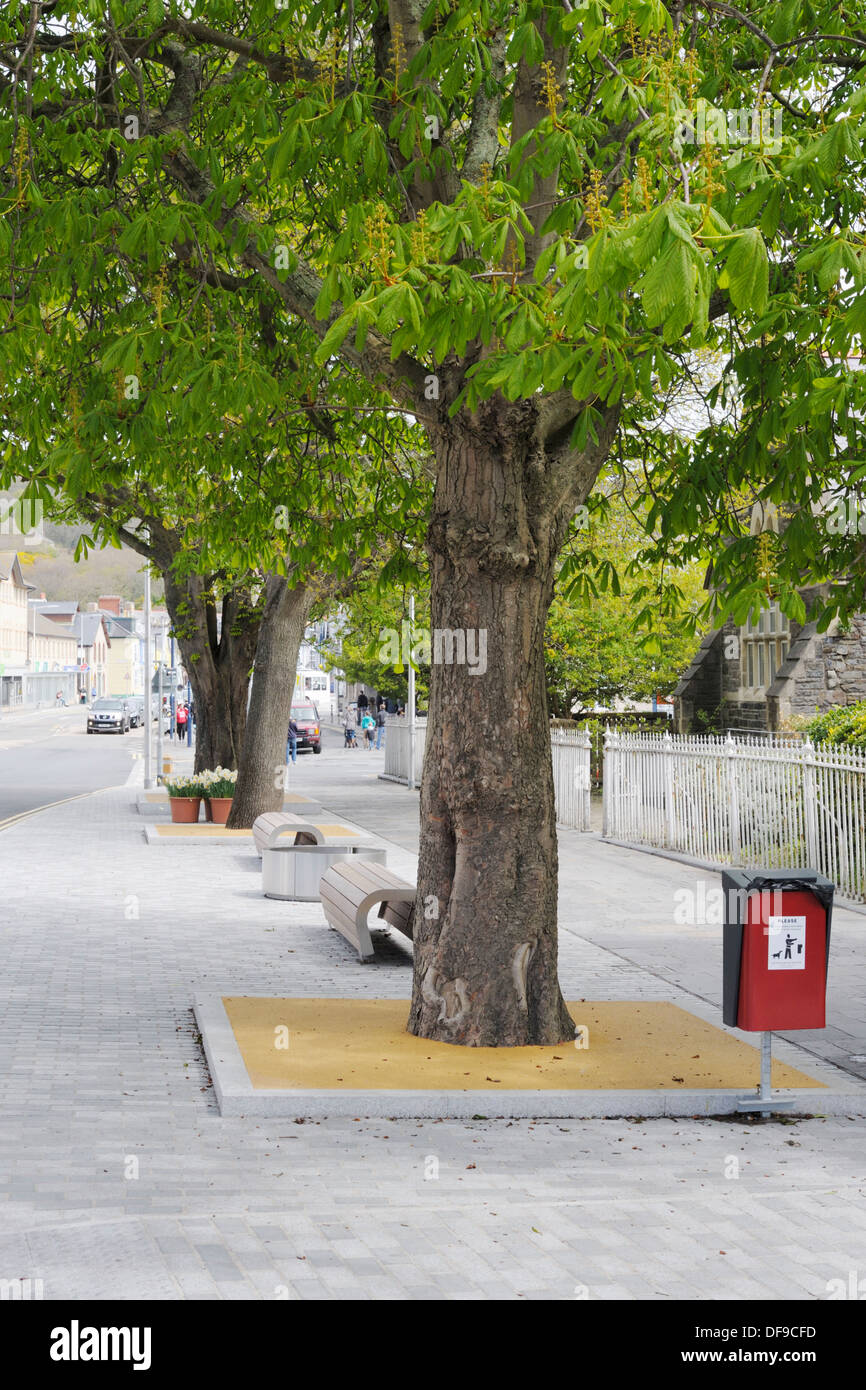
[[760, 880]]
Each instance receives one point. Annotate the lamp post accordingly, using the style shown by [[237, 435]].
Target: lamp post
[[159, 712], [411, 697], [148, 683]]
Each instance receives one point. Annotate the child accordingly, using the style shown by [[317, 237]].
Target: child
[[368, 724]]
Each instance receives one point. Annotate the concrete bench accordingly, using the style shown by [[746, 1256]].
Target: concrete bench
[[271, 827], [349, 890]]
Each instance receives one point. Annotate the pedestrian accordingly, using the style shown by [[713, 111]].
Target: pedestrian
[[368, 724], [292, 742], [363, 702], [59, 700], [380, 725], [349, 731], [181, 718]]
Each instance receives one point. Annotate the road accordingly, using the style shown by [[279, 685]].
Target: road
[[46, 756]]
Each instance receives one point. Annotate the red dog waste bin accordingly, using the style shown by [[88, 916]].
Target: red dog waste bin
[[776, 949]]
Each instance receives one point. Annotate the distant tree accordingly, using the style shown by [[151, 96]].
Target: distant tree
[[614, 630], [374, 643]]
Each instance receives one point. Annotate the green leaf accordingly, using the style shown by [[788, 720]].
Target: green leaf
[[748, 272], [335, 336]]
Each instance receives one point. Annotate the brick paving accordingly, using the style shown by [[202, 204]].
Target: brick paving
[[118, 1177]]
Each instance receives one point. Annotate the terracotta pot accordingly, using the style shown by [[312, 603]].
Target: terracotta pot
[[184, 809], [219, 808]]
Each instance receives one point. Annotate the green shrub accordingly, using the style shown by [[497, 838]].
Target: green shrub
[[845, 724]]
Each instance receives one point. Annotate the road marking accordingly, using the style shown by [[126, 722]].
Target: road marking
[[23, 815]]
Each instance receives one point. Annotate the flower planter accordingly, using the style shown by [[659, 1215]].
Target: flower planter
[[184, 809], [219, 808]]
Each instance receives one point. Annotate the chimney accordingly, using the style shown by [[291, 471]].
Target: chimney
[[110, 603]]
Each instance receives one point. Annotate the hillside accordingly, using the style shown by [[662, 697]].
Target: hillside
[[51, 566]]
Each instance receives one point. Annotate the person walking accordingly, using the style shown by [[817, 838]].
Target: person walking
[[363, 702], [380, 725], [292, 742], [180, 719], [349, 731], [368, 724]]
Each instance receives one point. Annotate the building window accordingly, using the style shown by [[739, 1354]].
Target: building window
[[764, 647]]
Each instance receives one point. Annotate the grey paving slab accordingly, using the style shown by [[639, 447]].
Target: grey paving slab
[[105, 945]]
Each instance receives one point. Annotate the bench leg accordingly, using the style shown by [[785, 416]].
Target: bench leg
[[365, 941]]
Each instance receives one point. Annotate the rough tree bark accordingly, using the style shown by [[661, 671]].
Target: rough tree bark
[[485, 969], [218, 655], [261, 775], [218, 662]]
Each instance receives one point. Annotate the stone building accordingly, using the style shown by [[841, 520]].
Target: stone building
[[750, 679]]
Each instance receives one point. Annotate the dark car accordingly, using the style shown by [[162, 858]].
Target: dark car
[[306, 716], [135, 708], [108, 717]]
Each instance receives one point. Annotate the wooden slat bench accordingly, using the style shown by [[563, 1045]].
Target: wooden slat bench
[[350, 889], [271, 827]]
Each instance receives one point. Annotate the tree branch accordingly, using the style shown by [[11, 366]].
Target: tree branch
[[482, 146], [530, 108]]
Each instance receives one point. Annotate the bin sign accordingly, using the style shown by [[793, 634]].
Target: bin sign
[[776, 949]]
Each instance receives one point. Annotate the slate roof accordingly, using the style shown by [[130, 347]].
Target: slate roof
[[87, 626]]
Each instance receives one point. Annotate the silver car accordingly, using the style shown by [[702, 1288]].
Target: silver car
[[108, 717]]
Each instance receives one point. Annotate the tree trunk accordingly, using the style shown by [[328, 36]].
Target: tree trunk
[[220, 689], [485, 971], [261, 774], [218, 664]]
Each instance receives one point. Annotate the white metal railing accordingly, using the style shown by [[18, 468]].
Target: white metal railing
[[570, 749], [752, 802], [397, 747]]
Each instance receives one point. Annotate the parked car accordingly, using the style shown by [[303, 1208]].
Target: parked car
[[306, 716], [108, 717], [135, 706]]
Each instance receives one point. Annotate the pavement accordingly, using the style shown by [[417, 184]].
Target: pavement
[[120, 1179]]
